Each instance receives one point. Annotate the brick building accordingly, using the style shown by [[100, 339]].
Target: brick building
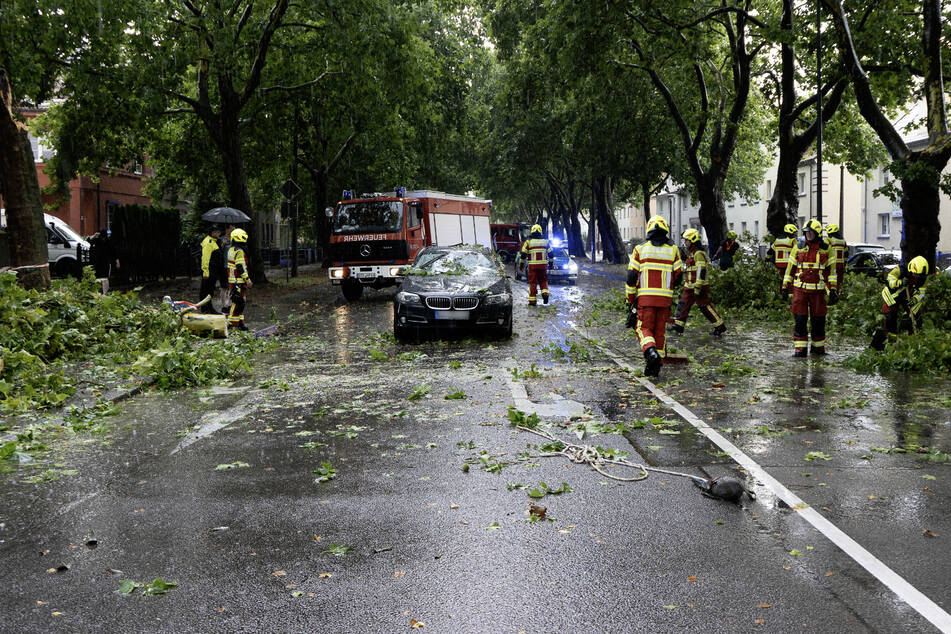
[[90, 203]]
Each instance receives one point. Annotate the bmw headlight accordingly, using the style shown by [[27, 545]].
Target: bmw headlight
[[407, 298], [573, 268], [500, 299]]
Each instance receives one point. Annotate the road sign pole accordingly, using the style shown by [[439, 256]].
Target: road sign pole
[[294, 239]]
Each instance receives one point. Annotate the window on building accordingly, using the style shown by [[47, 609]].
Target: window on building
[[884, 221], [742, 227], [802, 183], [769, 189], [731, 226], [756, 225], [111, 206]]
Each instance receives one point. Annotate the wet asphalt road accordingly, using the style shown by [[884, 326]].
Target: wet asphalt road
[[430, 494]]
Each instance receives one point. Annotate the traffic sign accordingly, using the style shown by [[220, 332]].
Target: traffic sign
[[290, 189]]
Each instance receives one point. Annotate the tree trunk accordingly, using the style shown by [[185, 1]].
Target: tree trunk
[[712, 211], [611, 240], [783, 206], [920, 201], [321, 224], [575, 242], [21, 195]]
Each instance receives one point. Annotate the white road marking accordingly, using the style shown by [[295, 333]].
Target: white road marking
[[561, 406], [892, 580], [212, 422]]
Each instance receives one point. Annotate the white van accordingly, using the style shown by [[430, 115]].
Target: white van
[[61, 243]]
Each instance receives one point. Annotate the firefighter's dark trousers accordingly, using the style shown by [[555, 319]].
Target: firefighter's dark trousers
[[236, 314], [207, 288], [809, 309]]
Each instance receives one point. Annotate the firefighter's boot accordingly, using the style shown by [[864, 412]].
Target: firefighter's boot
[[652, 357], [544, 297], [800, 352], [879, 339], [719, 330], [677, 328]]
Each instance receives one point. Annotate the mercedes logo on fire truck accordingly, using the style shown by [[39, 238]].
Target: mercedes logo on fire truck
[[365, 250]]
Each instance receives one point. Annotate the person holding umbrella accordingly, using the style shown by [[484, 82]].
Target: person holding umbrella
[[238, 279], [211, 267]]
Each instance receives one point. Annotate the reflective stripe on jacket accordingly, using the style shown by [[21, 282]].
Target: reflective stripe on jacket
[[837, 250], [696, 271], [658, 268], [783, 249], [536, 251], [237, 266], [896, 284], [809, 269], [208, 247]]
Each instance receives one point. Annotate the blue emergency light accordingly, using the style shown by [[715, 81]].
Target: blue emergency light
[[556, 243], [347, 194], [400, 192]]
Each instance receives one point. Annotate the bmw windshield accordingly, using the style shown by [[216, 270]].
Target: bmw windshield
[[453, 262], [371, 216]]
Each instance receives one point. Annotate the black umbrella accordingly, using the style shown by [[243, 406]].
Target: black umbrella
[[226, 215]]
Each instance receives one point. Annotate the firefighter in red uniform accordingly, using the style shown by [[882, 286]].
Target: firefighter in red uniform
[[238, 278], [655, 268], [902, 300], [537, 254], [838, 248], [784, 249], [696, 286], [811, 278]]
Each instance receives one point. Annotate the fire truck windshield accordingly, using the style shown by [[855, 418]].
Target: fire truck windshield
[[369, 216]]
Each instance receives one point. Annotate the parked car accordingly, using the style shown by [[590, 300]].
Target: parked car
[[461, 286], [876, 263], [861, 247], [61, 243], [564, 268]]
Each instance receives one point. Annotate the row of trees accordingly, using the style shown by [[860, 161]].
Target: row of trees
[[553, 109]]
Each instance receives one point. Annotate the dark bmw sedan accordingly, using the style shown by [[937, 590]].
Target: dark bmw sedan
[[453, 287]]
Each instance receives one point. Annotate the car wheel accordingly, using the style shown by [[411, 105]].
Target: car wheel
[[402, 333], [505, 331], [352, 290]]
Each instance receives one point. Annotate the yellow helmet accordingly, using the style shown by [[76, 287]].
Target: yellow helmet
[[692, 235], [832, 228], [239, 235], [791, 229], [813, 225], [657, 222], [918, 265], [731, 235], [536, 229]]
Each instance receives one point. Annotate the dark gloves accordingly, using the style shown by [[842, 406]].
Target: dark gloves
[[631, 316], [833, 297], [785, 294]]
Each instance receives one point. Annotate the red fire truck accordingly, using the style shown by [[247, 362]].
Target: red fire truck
[[374, 235]]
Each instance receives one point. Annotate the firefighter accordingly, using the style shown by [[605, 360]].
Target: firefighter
[[811, 278], [784, 250], [837, 252], [727, 250], [238, 279], [696, 286], [537, 253], [655, 268], [210, 267], [903, 295]]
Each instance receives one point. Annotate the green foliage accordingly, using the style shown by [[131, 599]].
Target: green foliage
[[325, 472], [751, 285], [519, 418], [156, 586], [43, 333], [543, 489]]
